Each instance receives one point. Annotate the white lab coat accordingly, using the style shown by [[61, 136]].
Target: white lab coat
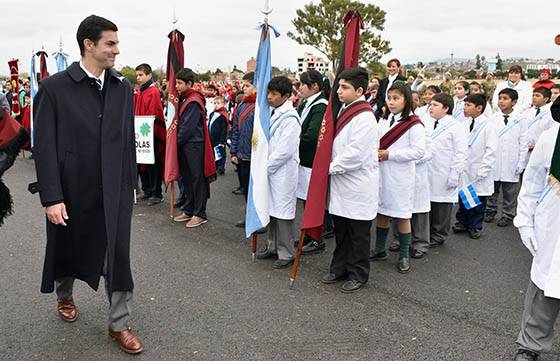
[[449, 157], [512, 147], [537, 124], [397, 174], [483, 146], [422, 178], [283, 161], [524, 90], [537, 214], [459, 109], [354, 170]]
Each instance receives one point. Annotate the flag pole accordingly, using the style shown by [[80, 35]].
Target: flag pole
[[254, 246], [297, 258], [172, 201]]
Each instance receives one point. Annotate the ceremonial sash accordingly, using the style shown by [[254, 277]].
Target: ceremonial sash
[[476, 132], [508, 127], [397, 131], [244, 114], [536, 119], [436, 133], [350, 113]]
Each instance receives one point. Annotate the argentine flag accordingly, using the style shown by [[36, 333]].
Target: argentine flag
[[258, 215], [468, 196]]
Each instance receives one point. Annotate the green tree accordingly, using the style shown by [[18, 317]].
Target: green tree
[[499, 62], [377, 69], [322, 27], [478, 61], [204, 76], [129, 73]]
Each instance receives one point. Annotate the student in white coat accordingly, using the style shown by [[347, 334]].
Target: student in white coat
[[516, 81], [402, 144], [462, 89], [538, 117], [537, 220], [510, 159], [353, 190], [449, 156], [476, 88], [282, 167], [483, 146]]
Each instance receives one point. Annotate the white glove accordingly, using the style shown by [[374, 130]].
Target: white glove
[[452, 182], [519, 169], [527, 234]]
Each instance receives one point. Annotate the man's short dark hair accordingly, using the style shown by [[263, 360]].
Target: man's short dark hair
[[186, 75], [91, 28], [477, 100], [356, 76], [547, 93], [446, 100], [281, 84], [250, 76], [145, 68], [511, 93], [556, 86]]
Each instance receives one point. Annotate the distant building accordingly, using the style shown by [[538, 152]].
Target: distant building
[[235, 74], [492, 65], [538, 65], [310, 61], [251, 64]]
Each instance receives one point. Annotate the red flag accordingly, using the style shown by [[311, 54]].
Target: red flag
[[14, 77], [315, 205], [42, 64], [175, 62]]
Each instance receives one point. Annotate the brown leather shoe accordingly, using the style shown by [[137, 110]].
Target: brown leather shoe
[[195, 222], [182, 218], [128, 342], [67, 310]]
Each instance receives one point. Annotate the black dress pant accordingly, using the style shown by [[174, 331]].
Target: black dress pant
[[350, 257], [151, 179], [191, 166], [244, 172]]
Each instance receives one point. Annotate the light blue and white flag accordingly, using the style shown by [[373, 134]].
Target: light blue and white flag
[[468, 196], [33, 88], [258, 215], [61, 60]]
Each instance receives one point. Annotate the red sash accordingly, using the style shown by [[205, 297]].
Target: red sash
[[209, 162], [9, 129], [225, 114], [350, 113], [397, 131], [244, 114]]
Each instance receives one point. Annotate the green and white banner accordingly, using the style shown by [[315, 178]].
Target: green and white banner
[[144, 135]]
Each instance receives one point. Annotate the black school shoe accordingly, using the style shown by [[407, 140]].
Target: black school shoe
[[404, 265], [155, 200], [313, 247], [179, 203], [526, 355], [504, 222], [380, 256], [282, 263], [331, 278], [417, 254], [475, 233], [351, 286], [459, 228], [489, 218]]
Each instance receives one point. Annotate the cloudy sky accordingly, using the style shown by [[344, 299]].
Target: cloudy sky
[[221, 33]]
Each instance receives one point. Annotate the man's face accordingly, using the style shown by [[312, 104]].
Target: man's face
[[505, 103], [347, 93], [181, 86], [9, 86], [248, 88], [437, 110], [105, 51], [539, 100], [142, 78], [471, 110], [275, 99]]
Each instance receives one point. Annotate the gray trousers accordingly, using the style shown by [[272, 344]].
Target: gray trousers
[[120, 304], [420, 224], [509, 194], [440, 222], [537, 323], [281, 237]]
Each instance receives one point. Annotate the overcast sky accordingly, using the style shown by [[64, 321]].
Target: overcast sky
[[221, 33]]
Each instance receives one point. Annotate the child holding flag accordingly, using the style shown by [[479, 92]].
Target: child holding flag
[[218, 128]]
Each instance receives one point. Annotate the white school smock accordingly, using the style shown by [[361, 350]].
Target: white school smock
[[283, 161], [483, 146], [538, 207], [354, 169], [449, 157], [524, 90], [422, 178], [512, 147], [397, 174]]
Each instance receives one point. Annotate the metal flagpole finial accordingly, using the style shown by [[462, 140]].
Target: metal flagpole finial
[[267, 10], [60, 44], [175, 20]]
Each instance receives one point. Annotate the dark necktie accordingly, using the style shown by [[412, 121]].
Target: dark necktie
[[506, 119], [98, 84], [436, 124], [538, 111], [272, 114], [472, 125], [392, 120]]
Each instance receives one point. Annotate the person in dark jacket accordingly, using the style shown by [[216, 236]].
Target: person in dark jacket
[[394, 68], [86, 170], [218, 129]]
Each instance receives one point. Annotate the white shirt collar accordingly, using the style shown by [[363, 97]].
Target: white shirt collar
[[101, 77], [287, 105], [393, 77], [311, 99], [397, 116]]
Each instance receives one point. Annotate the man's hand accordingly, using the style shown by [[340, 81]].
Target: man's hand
[[235, 160], [56, 214], [383, 154]]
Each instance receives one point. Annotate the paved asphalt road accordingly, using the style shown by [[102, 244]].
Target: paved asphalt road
[[198, 296]]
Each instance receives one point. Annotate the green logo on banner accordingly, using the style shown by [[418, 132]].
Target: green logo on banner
[[145, 129]]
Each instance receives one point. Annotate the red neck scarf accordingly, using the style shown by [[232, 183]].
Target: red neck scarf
[[249, 98]]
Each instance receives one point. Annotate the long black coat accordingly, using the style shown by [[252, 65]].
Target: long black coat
[[85, 156], [381, 94]]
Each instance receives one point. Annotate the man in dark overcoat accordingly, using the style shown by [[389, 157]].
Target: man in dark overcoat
[[86, 170]]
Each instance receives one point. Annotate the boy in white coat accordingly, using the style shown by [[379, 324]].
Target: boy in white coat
[[353, 190], [537, 220], [538, 116], [483, 145], [510, 159], [449, 156], [283, 161]]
